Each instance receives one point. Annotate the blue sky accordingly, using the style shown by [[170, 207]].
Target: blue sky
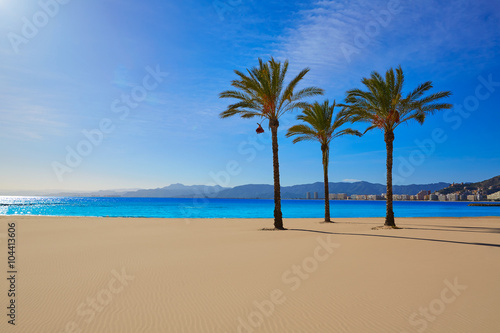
[[143, 79]]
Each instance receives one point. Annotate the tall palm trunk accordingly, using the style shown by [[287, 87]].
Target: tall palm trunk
[[389, 215], [278, 217], [324, 150]]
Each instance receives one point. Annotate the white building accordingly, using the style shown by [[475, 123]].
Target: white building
[[494, 196], [338, 196]]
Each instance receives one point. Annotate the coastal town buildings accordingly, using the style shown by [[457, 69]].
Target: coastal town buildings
[[459, 195]]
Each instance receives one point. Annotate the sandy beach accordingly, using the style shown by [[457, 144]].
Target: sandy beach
[[226, 275]]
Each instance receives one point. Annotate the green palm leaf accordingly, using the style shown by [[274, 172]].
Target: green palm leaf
[[261, 92], [321, 124], [382, 105]]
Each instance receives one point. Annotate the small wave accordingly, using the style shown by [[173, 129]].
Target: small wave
[[31, 204]]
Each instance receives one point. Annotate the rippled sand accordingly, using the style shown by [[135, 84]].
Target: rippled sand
[[226, 275]]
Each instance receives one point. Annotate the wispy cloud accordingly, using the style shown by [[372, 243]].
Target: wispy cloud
[[335, 37], [26, 121], [351, 180], [319, 33]]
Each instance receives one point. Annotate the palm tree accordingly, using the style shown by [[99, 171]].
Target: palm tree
[[321, 125], [383, 106], [261, 93]]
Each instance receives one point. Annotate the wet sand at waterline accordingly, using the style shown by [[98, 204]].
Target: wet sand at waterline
[[88, 274]]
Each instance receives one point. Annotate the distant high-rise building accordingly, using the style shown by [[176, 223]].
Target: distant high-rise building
[[315, 195], [421, 195], [308, 195]]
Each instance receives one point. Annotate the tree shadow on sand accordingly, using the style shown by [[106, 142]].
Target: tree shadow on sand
[[488, 230], [413, 226], [399, 237]]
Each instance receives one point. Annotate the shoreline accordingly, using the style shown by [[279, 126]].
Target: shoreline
[[245, 218], [197, 198]]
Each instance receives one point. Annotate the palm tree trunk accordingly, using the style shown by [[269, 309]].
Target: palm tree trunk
[[324, 150], [278, 217], [389, 215]]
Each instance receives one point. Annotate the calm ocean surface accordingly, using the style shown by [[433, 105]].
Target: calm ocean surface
[[227, 208]]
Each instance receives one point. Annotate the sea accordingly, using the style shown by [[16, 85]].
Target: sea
[[228, 208]]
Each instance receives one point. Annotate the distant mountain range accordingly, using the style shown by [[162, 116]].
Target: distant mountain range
[[264, 191], [251, 191], [177, 191]]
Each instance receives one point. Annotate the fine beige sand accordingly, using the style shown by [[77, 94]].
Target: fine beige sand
[[226, 275]]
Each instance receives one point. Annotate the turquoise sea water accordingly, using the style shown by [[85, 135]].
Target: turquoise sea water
[[228, 208]]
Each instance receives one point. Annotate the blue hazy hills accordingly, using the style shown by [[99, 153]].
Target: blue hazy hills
[[265, 191]]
